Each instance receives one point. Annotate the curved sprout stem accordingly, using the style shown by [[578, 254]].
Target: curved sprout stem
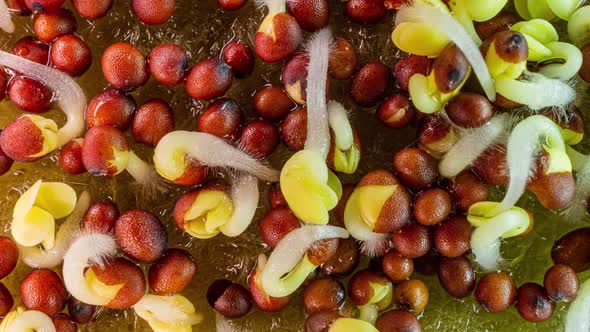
[[35, 257], [70, 97], [578, 315], [32, 320], [524, 143], [581, 164], [578, 26], [472, 144], [318, 130], [209, 150], [421, 13], [290, 252], [572, 61], [90, 248], [5, 19], [173, 311], [245, 196]]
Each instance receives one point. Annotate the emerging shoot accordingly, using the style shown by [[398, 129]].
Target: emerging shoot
[[345, 150], [5, 19], [19, 320], [578, 26], [168, 313], [577, 318]]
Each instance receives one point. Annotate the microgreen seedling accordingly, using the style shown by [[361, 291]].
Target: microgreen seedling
[[346, 149], [168, 313], [468, 12], [19, 320]]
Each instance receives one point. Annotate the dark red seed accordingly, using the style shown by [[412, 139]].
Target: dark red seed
[[92, 9], [153, 12], [398, 320], [366, 11], [396, 111], [29, 95], [223, 118], [408, 66], [102, 145], [294, 77], [19, 6], [9, 257], [432, 206], [278, 39], [277, 223], [101, 217], [452, 237], [172, 273], [3, 83], [533, 304], [80, 312], [70, 158], [413, 240], [141, 236], [275, 196], [124, 67], [229, 299], [272, 103], [71, 55], [43, 290], [321, 321], [501, 22], [5, 162], [231, 5], [370, 83], [324, 294], [496, 292], [44, 5], [63, 323], [49, 26], [260, 138], [6, 300], [343, 59], [168, 64], [32, 49], [561, 283], [456, 276], [22, 139], [311, 15], [585, 69], [345, 260], [396, 267], [294, 129], [573, 250], [465, 190], [415, 168], [239, 57], [491, 166], [110, 108], [469, 110], [209, 79], [153, 120], [119, 271]]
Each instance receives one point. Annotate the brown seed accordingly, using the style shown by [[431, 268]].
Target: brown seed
[[343, 59], [294, 77], [9, 257], [278, 39], [432, 206], [496, 292], [409, 66], [71, 55], [272, 103], [168, 64], [452, 237], [369, 85], [511, 46], [229, 299], [324, 294], [501, 22], [585, 69], [29, 95], [277, 223], [43, 290], [172, 273], [573, 250], [561, 283], [141, 236], [32, 49], [456, 276], [49, 6], [450, 69], [70, 158], [260, 138], [294, 129], [92, 9], [396, 111], [533, 304], [124, 67], [366, 11], [344, 261], [153, 120], [101, 217], [320, 321], [209, 79], [469, 110], [491, 166], [63, 323], [5, 161], [435, 135], [121, 271], [311, 15], [465, 190], [239, 57], [6, 300], [231, 5], [80, 312], [415, 168], [110, 108], [153, 12], [359, 286], [223, 118], [322, 251], [411, 295], [19, 6], [412, 241], [398, 320], [49, 26], [397, 267]]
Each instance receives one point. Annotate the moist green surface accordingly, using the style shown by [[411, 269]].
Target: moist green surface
[[202, 29]]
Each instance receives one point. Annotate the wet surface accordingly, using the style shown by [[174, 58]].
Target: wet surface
[[203, 29]]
